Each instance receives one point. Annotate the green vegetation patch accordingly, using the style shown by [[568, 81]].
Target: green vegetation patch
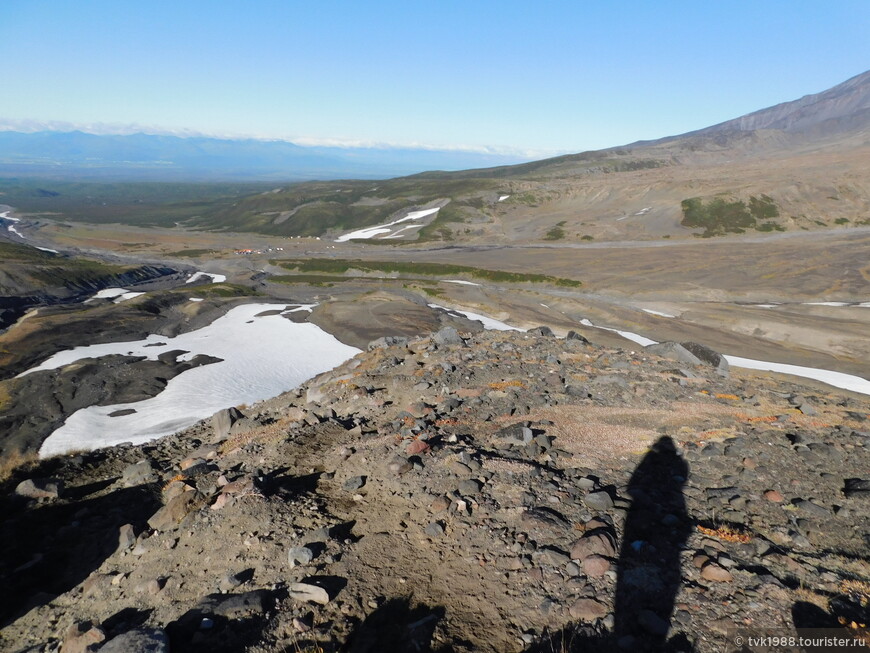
[[224, 290], [721, 216], [557, 232], [342, 266], [193, 253]]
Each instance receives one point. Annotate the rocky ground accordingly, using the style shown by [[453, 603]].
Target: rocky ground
[[498, 491]]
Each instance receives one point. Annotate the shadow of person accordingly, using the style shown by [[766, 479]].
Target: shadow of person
[[656, 528]]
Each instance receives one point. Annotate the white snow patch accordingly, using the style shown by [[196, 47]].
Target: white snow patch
[[864, 305], [502, 198], [46, 249], [659, 313], [766, 305], [628, 335], [126, 296], [826, 303], [488, 322], [107, 293], [262, 357], [460, 282], [195, 299], [369, 232], [836, 379], [15, 231], [215, 278]]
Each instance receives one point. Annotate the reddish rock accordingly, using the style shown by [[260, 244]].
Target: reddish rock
[[595, 565], [587, 610], [440, 504], [700, 560], [773, 495], [417, 446], [594, 543]]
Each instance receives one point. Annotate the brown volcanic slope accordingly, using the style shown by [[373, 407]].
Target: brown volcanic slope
[[811, 156]]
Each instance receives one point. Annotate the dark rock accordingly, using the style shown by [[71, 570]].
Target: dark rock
[[857, 488], [673, 351], [140, 640], [708, 356], [652, 623], [354, 483], [573, 335], [469, 487], [542, 331], [434, 529], [447, 336]]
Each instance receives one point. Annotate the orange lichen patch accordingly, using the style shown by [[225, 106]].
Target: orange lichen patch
[[748, 418], [723, 395], [447, 421], [704, 392], [177, 477], [501, 385], [859, 632], [725, 533], [857, 590]]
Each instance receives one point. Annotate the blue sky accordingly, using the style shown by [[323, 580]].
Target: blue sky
[[557, 77]]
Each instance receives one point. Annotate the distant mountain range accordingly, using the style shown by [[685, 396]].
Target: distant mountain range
[[134, 157]]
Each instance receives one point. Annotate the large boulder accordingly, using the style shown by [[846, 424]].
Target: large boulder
[[673, 351], [708, 356], [223, 420], [40, 488]]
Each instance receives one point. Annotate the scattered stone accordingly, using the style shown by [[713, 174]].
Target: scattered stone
[[354, 483], [434, 529], [587, 610], [126, 537], [447, 336], [223, 420], [857, 488], [139, 640], [774, 496], [715, 573], [595, 566], [673, 351], [171, 515], [469, 487], [308, 592], [138, 474], [299, 555], [598, 501], [82, 637], [652, 623], [39, 488]]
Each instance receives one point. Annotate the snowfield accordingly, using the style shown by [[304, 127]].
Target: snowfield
[[215, 278], [262, 357], [370, 232]]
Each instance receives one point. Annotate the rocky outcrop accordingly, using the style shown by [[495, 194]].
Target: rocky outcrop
[[467, 492]]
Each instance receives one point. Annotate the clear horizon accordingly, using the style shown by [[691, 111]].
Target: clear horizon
[[494, 77]]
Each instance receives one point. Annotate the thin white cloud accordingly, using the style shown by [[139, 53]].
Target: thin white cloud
[[102, 128]]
